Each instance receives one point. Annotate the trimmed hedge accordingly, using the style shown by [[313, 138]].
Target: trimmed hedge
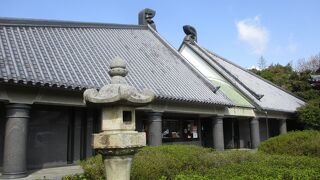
[[296, 143], [169, 160], [263, 167], [191, 162], [181, 162]]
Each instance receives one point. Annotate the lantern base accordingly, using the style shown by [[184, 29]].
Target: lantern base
[[118, 167]]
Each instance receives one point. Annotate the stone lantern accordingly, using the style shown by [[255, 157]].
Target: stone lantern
[[118, 140]]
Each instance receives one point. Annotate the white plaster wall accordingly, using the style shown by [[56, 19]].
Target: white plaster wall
[[214, 76], [201, 65]]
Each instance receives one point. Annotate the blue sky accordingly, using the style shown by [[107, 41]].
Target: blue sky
[[242, 31]]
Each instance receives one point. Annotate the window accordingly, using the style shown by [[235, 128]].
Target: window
[[127, 116], [179, 130]]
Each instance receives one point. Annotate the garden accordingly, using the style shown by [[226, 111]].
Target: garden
[[295, 155]]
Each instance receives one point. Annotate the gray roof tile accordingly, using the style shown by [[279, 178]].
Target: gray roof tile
[[77, 55], [274, 98]]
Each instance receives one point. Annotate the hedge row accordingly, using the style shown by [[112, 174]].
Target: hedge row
[[297, 143], [290, 156], [169, 160], [166, 162], [263, 167]]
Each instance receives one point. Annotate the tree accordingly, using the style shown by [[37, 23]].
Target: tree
[[310, 114], [312, 64], [262, 63], [278, 74]]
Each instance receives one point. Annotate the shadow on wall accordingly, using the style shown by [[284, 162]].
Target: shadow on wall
[[2, 128], [47, 138], [59, 136]]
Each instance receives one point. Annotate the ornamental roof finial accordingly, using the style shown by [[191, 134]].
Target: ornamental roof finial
[[118, 71]]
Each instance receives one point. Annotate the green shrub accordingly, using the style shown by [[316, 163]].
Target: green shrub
[[262, 167], [191, 176], [93, 168], [310, 114], [293, 143], [166, 160], [169, 160], [272, 167], [75, 177], [181, 162]]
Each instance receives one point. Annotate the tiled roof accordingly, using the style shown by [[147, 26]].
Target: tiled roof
[[263, 93], [315, 78], [77, 56]]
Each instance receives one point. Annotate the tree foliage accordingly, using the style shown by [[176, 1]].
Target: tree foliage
[[283, 76], [310, 114]]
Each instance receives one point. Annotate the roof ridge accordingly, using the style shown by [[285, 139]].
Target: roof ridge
[[256, 95], [227, 78], [251, 73], [10, 21], [179, 55]]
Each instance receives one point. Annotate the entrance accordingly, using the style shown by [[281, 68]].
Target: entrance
[[206, 133], [231, 133], [273, 125]]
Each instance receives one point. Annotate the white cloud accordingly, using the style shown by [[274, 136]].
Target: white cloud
[[292, 45], [254, 34], [254, 67]]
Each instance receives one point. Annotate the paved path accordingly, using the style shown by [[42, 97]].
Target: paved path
[[52, 173]]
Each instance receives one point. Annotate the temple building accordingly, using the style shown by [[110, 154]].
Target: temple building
[[201, 98], [261, 107], [315, 81]]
